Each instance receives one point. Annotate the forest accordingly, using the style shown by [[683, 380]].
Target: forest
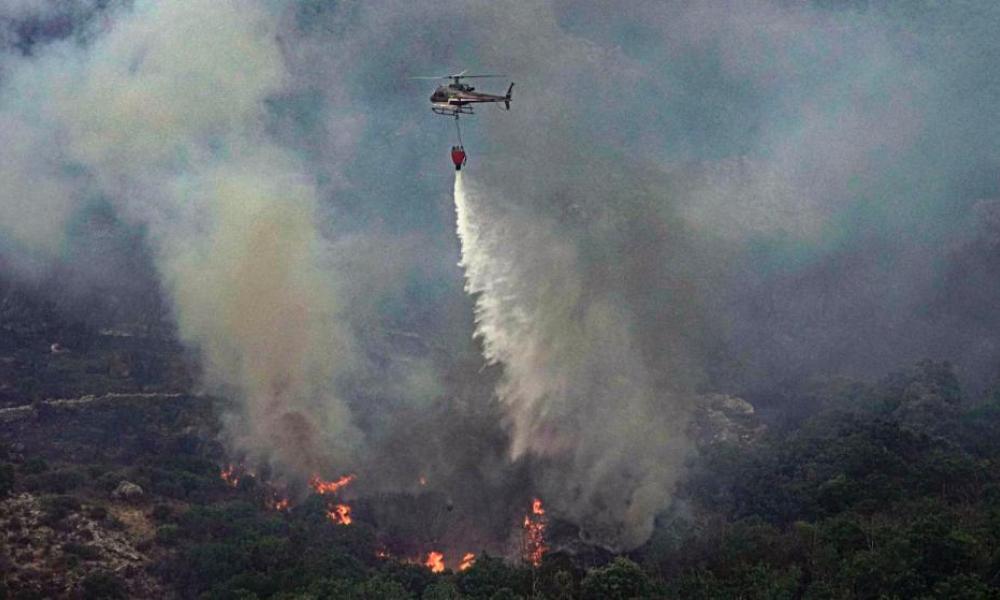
[[888, 489]]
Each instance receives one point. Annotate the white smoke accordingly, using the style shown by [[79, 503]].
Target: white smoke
[[575, 391], [38, 199], [165, 115]]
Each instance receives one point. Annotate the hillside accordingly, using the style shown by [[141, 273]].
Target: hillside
[[873, 490]]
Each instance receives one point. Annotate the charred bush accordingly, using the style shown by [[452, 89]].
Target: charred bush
[[6, 479], [103, 586], [57, 508], [83, 551]]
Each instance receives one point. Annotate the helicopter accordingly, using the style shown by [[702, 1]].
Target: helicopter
[[457, 98]]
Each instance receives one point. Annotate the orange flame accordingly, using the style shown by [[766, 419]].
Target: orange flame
[[329, 487], [340, 514], [468, 559], [435, 562], [534, 534], [230, 474]]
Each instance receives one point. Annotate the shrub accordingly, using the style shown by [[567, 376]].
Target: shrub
[[622, 579], [103, 586], [34, 465], [84, 551], [55, 482], [97, 513], [167, 534], [6, 479], [57, 508], [161, 512]]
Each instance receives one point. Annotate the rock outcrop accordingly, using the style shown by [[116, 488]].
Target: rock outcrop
[[50, 549]]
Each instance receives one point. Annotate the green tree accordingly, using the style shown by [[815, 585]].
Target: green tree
[[333, 589], [381, 587], [6, 479], [489, 575], [620, 580], [963, 587], [443, 590]]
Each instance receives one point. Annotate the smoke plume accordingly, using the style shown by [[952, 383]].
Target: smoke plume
[[732, 196], [575, 388], [164, 115]]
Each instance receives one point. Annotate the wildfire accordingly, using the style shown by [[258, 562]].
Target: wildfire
[[468, 560], [230, 474], [278, 504], [340, 514], [329, 487], [435, 562], [536, 507], [534, 534]]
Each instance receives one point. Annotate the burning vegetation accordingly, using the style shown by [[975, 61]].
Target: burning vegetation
[[534, 547], [323, 487], [435, 562], [533, 526], [279, 504], [468, 560], [231, 474], [338, 513]]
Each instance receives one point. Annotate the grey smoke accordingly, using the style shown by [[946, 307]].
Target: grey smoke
[[720, 196], [164, 115]]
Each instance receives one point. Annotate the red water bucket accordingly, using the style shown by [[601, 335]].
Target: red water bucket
[[458, 157]]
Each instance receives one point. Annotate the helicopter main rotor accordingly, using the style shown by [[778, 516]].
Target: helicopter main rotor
[[457, 77]]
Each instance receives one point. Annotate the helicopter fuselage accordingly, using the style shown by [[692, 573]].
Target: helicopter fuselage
[[456, 98]]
